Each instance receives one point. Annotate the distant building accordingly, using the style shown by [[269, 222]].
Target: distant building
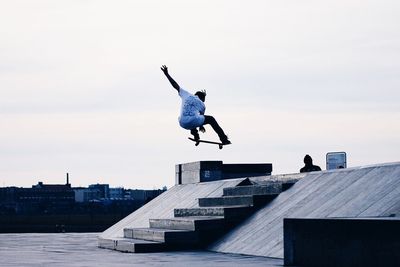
[[117, 193], [58, 198], [46, 193], [142, 195], [8, 194], [86, 194], [103, 190], [60, 207], [40, 198], [8, 204]]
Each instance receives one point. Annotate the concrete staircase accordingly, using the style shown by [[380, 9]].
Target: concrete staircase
[[193, 228]]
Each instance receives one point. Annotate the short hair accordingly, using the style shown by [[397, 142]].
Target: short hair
[[307, 159], [201, 94]]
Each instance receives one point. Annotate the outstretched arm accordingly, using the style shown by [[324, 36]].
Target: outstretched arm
[[172, 81]]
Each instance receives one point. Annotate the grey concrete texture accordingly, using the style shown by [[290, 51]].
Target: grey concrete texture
[[189, 223], [203, 211], [281, 178], [191, 177], [199, 171], [80, 250], [360, 242], [229, 213], [271, 188], [162, 235], [132, 245], [190, 232], [353, 192], [161, 212], [162, 207]]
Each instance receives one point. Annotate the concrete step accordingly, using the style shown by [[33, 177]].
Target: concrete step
[[229, 213], [226, 201], [189, 223], [132, 245], [271, 188], [167, 236]]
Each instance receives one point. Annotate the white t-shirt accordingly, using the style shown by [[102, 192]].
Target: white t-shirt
[[192, 110]]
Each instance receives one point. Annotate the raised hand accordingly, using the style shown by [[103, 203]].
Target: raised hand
[[164, 69], [172, 81]]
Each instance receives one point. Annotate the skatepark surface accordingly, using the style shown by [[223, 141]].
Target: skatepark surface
[[358, 192], [80, 249]]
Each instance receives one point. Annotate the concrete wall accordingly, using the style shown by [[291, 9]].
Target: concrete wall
[[342, 242], [355, 192]]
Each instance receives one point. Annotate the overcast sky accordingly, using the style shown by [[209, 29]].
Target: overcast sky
[[82, 90]]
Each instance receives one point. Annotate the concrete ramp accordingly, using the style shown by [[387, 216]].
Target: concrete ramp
[[162, 207], [372, 191], [178, 219]]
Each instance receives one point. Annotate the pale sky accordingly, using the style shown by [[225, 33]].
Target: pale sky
[[82, 90]]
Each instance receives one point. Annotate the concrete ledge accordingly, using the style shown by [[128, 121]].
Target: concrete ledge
[[272, 188], [162, 235], [246, 200], [231, 213], [132, 245], [342, 242], [246, 170], [189, 223], [206, 171]]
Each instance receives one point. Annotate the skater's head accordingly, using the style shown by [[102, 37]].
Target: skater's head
[[308, 160], [201, 94]]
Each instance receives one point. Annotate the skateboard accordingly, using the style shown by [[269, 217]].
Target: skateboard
[[197, 142]]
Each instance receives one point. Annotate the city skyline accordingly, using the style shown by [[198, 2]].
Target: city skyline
[[82, 91]]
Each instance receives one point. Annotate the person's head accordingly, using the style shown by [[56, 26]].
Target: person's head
[[307, 160], [201, 94]]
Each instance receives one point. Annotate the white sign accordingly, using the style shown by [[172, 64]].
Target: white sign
[[336, 160]]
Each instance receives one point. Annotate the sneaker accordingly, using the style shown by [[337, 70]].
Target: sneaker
[[196, 136], [225, 141]]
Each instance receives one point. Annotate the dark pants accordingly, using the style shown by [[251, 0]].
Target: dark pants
[[214, 124]]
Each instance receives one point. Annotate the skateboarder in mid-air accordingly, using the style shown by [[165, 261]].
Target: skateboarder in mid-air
[[192, 111]]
